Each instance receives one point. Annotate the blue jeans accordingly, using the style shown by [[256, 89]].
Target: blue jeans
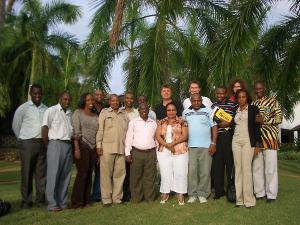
[[96, 194]]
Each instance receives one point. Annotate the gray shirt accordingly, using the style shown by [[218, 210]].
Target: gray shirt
[[27, 122], [85, 127]]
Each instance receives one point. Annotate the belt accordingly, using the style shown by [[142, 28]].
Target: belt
[[144, 151], [66, 141]]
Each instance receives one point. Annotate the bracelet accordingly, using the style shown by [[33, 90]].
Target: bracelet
[[213, 143]]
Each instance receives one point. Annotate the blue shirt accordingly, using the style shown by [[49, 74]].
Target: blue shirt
[[200, 124]]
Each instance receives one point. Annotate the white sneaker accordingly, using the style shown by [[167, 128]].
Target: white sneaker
[[202, 199], [192, 199]]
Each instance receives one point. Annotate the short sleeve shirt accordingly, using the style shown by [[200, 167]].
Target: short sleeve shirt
[[200, 124]]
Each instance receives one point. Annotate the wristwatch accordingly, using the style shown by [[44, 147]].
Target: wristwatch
[[213, 143]]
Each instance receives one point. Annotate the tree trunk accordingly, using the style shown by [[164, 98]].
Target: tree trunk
[[114, 35], [10, 5], [2, 14], [32, 72]]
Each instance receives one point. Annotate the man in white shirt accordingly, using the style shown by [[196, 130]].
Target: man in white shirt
[[140, 153], [27, 123], [57, 132], [195, 88]]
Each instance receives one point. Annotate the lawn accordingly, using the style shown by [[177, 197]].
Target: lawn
[[286, 209]]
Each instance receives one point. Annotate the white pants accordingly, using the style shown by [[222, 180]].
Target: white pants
[[173, 171], [265, 176]]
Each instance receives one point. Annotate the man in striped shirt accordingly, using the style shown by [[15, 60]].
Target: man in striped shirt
[[265, 177], [223, 157]]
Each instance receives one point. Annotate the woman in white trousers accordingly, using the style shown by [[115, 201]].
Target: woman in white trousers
[[172, 155]]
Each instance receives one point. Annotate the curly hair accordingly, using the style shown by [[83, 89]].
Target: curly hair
[[233, 82]]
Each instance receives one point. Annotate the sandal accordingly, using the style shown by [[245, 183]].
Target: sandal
[[164, 199], [180, 201]]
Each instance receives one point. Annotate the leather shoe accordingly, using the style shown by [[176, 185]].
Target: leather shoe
[[25, 205], [107, 205]]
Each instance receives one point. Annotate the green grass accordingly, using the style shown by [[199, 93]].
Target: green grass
[[286, 209]]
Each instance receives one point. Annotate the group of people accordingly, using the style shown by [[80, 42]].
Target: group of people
[[124, 146]]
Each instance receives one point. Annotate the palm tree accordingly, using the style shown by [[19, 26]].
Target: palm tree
[[277, 59], [2, 14], [154, 49], [44, 47]]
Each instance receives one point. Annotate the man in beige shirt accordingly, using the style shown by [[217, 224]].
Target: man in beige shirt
[[113, 124]]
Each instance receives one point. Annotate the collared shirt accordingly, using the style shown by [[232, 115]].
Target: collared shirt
[[27, 121], [229, 106], [132, 114], [161, 110], [241, 123], [140, 134], [200, 124], [58, 122], [272, 115], [98, 107], [205, 101], [152, 115], [112, 131]]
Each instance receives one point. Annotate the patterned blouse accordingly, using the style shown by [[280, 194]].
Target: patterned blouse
[[176, 133]]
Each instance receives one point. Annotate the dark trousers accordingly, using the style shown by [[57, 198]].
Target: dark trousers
[[83, 181], [126, 184], [96, 193], [33, 163], [143, 175], [222, 159]]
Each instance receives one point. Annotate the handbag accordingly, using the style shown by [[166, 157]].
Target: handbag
[[231, 195], [4, 207]]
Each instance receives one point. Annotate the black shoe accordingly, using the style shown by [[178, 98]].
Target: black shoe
[[269, 200], [126, 199], [107, 205], [249, 207], [218, 196], [40, 204], [237, 206], [260, 198], [25, 205]]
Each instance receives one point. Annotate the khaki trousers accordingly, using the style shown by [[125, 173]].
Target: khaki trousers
[[243, 155], [112, 175]]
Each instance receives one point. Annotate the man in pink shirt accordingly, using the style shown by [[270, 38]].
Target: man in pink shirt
[[140, 152]]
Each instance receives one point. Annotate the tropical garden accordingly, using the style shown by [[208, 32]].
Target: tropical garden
[[162, 41]]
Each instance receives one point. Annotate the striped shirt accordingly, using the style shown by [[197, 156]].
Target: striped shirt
[[228, 106], [271, 111]]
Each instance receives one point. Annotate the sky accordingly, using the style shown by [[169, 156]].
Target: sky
[[81, 30]]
